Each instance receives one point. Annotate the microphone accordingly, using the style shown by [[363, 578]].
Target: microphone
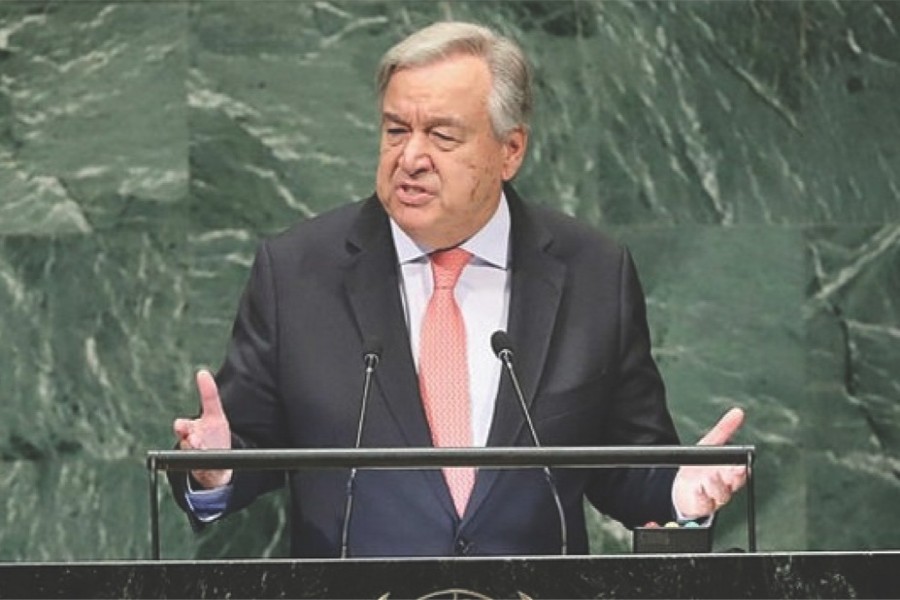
[[502, 347], [371, 357]]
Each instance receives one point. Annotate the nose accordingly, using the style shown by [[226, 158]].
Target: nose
[[416, 157]]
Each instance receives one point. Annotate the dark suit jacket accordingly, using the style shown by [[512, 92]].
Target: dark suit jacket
[[293, 379]]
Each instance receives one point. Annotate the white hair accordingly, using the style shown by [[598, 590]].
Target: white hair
[[510, 100]]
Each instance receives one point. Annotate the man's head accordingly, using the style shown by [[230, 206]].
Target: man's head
[[455, 103]]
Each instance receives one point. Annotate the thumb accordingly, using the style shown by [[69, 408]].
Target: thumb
[[210, 404], [724, 429]]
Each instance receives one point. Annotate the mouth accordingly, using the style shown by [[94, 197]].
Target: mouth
[[412, 193]]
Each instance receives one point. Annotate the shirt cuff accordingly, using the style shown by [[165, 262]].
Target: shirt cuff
[[701, 521], [207, 505]]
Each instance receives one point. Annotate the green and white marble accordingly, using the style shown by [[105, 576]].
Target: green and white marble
[[747, 152]]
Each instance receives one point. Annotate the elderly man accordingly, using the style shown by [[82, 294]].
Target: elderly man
[[442, 256]]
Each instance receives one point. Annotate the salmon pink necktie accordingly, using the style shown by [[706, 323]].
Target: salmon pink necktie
[[444, 370]]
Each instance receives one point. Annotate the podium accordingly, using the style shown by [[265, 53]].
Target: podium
[[761, 575], [707, 575]]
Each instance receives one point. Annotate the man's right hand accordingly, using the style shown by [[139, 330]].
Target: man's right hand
[[208, 432]]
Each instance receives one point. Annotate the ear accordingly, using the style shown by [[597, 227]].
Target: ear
[[514, 152]]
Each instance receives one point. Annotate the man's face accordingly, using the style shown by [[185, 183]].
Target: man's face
[[441, 168]]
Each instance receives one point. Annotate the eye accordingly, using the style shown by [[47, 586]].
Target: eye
[[444, 140], [394, 135]]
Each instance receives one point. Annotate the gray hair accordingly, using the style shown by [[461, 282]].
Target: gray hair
[[510, 100]]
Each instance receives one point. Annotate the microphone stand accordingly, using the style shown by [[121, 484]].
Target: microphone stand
[[371, 357], [503, 349]]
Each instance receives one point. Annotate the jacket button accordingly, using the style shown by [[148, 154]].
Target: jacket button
[[463, 547]]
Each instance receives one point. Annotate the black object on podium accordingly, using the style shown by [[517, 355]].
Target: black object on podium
[[678, 540]]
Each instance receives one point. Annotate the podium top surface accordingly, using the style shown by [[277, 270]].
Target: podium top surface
[[732, 575]]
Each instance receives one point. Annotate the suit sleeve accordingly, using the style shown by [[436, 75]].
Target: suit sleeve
[[638, 416]]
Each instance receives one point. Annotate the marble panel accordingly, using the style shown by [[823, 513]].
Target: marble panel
[[716, 112], [724, 305], [282, 110], [102, 333], [93, 326], [73, 509], [854, 395], [93, 122], [90, 363]]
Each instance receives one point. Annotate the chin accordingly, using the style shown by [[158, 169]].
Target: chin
[[423, 231]]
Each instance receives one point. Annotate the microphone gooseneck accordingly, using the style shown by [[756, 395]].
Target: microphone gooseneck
[[371, 358], [502, 347]]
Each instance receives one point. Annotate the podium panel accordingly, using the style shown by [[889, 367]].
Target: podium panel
[[772, 575]]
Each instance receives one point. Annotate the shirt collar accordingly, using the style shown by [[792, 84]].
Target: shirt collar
[[489, 245]]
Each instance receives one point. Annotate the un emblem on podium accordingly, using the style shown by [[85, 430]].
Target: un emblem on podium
[[456, 594]]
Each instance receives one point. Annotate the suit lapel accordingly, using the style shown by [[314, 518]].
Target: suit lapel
[[373, 285], [536, 290], [373, 290]]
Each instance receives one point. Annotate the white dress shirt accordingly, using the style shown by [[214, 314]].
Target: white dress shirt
[[482, 294]]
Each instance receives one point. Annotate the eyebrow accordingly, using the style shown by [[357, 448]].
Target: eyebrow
[[433, 122]]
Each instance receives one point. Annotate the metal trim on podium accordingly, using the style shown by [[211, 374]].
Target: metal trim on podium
[[418, 458]]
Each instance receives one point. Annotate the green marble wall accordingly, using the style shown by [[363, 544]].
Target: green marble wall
[[747, 152]]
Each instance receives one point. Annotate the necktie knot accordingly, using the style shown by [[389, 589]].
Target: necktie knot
[[447, 266]]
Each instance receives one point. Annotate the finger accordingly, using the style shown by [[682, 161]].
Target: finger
[[182, 427], [724, 429], [187, 436], [717, 491], [210, 404], [704, 503], [194, 441], [734, 477]]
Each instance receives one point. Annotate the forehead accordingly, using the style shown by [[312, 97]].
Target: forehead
[[459, 83]]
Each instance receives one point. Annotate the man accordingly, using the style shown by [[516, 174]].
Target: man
[[455, 101]]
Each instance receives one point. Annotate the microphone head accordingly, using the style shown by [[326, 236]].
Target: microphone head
[[500, 343], [372, 348]]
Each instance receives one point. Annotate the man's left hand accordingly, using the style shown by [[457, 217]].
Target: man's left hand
[[700, 490]]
